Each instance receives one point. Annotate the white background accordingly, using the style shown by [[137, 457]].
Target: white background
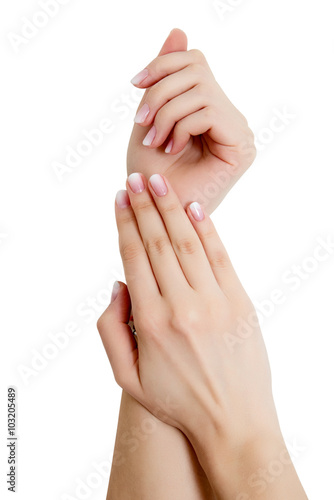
[[58, 244]]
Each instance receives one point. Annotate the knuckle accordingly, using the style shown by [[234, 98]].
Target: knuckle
[[120, 378], [156, 67], [197, 55], [201, 90], [142, 206], [154, 94], [171, 207], [247, 146], [181, 128], [184, 322], [162, 117], [196, 68], [148, 326], [209, 112], [186, 246], [218, 259], [127, 217], [130, 251], [157, 245], [100, 324]]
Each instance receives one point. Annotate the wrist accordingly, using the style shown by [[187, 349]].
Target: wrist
[[253, 463]]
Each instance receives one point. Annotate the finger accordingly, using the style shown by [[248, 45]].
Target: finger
[[168, 64], [165, 265], [138, 272], [186, 243], [194, 124], [176, 41], [175, 110], [164, 91], [118, 340], [214, 249]]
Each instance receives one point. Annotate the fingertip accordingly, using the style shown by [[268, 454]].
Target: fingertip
[[169, 146], [196, 211], [115, 291], [122, 199], [139, 78]]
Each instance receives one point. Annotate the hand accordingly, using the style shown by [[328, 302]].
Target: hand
[[200, 364], [201, 356], [211, 143]]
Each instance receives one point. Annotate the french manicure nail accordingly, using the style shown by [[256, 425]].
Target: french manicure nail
[[136, 183], [142, 113], [158, 184], [169, 146], [149, 137], [140, 77], [122, 199], [115, 291], [196, 211]]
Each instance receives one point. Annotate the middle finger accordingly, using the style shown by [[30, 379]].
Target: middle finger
[[165, 265]]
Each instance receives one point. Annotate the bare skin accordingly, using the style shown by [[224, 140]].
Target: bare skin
[[200, 364], [212, 145], [157, 464]]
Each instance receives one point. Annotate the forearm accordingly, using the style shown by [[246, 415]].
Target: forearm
[[259, 469], [153, 460]]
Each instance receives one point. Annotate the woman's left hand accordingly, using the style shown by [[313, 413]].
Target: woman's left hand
[[200, 357]]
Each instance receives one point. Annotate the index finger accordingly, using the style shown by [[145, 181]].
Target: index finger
[[140, 279], [167, 64]]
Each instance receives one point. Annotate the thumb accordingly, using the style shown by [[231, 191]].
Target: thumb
[[175, 42], [117, 337]]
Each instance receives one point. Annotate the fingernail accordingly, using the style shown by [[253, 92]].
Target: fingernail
[[115, 291], [158, 184], [136, 183], [142, 113], [169, 146], [196, 211], [140, 77], [149, 137], [122, 199]]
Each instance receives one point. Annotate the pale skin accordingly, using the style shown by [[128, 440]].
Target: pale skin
[[210, 138], [194, 367], [219, 150]]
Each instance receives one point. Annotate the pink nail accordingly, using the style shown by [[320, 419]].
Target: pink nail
[[169, 146], [115, 291], [142, 114], [140, 77], [196, 211], [158, 184], [122, 199], [136, 183], [149, 138]]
